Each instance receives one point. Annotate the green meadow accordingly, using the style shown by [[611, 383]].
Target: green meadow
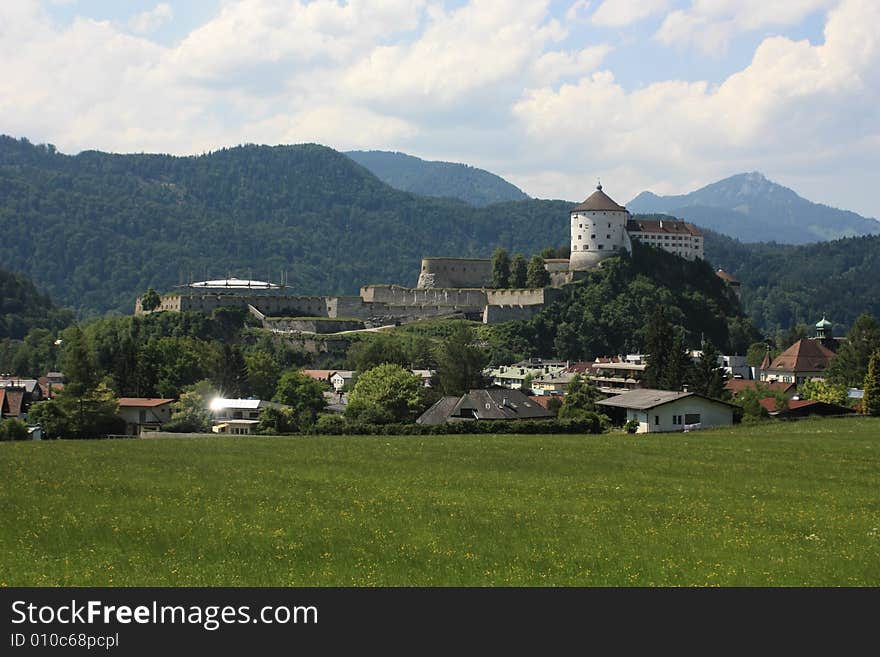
[[775, 504]]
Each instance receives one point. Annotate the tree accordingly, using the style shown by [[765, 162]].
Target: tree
[[377, 350], [262, 373], [519, 268], [756, 352], [871, 401], [150, 300], [77, 363], [387, 393], [537, 274], [580, 398], [302, 393], [88, 415], [659, 336], [707, 375], [750, 400], [192, 412], [851, 364], [13, 429], [678, 365], [830, 393], [275, 420], [460, 363], [231, 375], [500, 269]]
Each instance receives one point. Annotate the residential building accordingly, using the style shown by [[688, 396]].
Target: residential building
[[143, 414], [805, 359], [668, 411], [238, 416], [487, 404], [798, 408], [512, 376], [672, 235], [615, 375], [737, 386]]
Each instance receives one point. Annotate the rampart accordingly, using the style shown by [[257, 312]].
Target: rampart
[[455, 273]]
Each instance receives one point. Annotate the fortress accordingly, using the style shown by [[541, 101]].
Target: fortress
[[446, 287]]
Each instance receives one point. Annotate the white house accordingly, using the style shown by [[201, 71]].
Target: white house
[[666, 411], [144, 414], [238, 416]]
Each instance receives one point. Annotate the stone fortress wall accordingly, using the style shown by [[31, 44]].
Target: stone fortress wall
[[455, 273]]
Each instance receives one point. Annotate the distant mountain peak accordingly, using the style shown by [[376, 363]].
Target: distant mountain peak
[[753, 208]]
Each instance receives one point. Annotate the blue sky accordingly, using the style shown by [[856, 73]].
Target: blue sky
[[666, 95]]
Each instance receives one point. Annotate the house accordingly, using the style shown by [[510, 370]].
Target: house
[[341, 378], [427, 377], [553, 383], [737, 386], [805, 359], [615, 375], [513, 376], [798, 408], [144, 414], [485, 404], [665, 410], [238, 416], [12, 402]]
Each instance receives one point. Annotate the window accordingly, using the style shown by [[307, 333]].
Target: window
[[656, 419], [592, 237], [601, 246], [608, 237], [142, 416], [574, 248], [692, 418], [580, 236]]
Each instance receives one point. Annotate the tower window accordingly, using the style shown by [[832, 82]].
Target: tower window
[[608, 237], [592, 237]]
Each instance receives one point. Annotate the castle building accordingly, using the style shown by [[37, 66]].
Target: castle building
[[598, 231], [678, 237]]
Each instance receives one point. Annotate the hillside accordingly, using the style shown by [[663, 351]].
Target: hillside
[[783, 285], [752, 208], [23, 307], [98, 229], [445, 179]]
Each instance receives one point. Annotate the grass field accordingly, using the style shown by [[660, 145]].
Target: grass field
[[776, 504]]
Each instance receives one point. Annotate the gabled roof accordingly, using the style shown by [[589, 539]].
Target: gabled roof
[[142, 402], [736, 386], [805, 355], [805, 407], [12, 399], [439, 411], [485, 404], [647, 398], [599, 200]]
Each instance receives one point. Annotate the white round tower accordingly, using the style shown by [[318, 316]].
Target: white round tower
[[598, 231]]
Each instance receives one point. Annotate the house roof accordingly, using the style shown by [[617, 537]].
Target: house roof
[[13, 400], [670, 226], [142, 402], [723, 275], [647, 398], [805, 355], [736, 386], [486, 404], [320, 375], [439, 411], [30, 385], [805, 406], [599, 200]]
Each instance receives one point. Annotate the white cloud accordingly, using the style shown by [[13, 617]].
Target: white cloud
[[149, 21], [619, 13], [710, 24], [794, 102]]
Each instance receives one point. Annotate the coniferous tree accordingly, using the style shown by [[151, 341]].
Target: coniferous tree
[[678, 364], [851, 364], [500, 269], [460, 363], [537, 275], [707, 375], [77, 363], [659, 336], [518, 271], [871, 401]]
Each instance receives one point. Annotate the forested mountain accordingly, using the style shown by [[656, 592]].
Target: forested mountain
[[752, 208], [785, 285], [23, 307], [97, 228], [446, 179]]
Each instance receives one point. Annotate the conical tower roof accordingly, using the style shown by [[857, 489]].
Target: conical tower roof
[[599, 200]]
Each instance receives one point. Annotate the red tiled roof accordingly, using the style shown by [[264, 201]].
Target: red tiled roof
[[13, 398], [736, 386], [541, 400], [139, 402], [805, 355]]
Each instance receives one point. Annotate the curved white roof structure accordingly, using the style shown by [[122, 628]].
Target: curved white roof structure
[[234, 284]]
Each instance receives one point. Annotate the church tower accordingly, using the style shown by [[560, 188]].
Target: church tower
[[598, 231]]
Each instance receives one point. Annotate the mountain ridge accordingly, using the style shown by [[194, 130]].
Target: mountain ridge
[[752, 208]]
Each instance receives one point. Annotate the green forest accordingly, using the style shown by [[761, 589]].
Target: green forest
[[96, 229]]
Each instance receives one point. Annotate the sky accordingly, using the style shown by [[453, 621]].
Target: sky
[[660, 95]]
